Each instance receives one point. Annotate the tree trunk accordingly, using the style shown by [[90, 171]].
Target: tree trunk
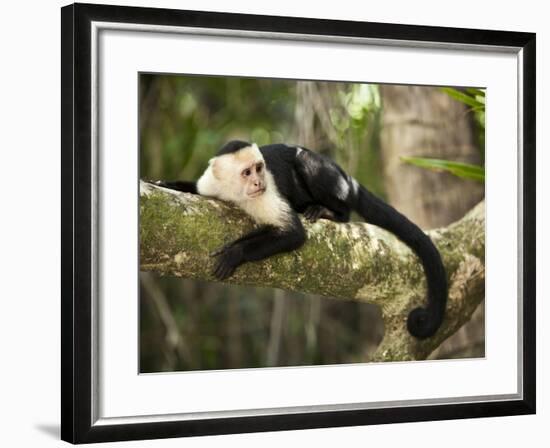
[[353, 261], [425, 122]]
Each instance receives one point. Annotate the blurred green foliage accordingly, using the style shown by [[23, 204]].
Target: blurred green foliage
[[459, 169], [185, 120]]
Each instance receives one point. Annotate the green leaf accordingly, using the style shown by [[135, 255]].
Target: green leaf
[[463, 97], [475, 92], [463, 170]]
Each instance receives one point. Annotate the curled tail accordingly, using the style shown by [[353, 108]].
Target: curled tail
[[422, 322]]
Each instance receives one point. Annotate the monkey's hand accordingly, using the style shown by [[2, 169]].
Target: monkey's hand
[[229, 258]]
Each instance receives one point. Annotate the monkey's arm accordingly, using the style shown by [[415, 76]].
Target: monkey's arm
[[257, 245], [179, 185], [247, 236]]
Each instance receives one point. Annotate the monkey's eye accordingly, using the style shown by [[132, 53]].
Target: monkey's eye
[[259, 167], [246, 172]]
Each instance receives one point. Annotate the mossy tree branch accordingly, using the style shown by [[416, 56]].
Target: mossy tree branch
[[353, 261]]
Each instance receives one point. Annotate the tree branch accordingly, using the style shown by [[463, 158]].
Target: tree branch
[[353, 261]]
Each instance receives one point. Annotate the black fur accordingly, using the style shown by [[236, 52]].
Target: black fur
[[317, 187], [180, 185], [232, 146]]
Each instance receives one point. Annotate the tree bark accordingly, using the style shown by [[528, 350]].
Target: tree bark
[[353, 261]]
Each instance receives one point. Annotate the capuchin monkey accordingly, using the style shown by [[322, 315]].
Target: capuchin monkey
[[274, 183]]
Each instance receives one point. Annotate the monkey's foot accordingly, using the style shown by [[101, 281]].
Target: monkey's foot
[[315, 212]]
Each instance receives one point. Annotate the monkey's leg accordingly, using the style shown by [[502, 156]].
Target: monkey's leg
[[315, 212], [338, 213], [325, 183]]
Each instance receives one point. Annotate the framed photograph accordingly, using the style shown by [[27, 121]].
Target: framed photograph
[[275, 223]]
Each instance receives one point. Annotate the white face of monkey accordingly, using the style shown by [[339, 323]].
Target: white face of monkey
[[241, 175]]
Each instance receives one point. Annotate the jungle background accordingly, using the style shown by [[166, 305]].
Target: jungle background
[[420, 148]]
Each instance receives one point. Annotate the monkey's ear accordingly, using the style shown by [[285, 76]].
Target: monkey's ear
[[214, 166], [256, 150]]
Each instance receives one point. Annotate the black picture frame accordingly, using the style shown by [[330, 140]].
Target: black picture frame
[[77, 424]]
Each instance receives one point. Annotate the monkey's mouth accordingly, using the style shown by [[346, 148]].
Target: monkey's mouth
[[257, 193]]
